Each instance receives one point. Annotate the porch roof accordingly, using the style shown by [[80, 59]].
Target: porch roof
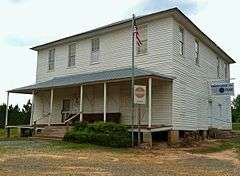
[[87, 78]]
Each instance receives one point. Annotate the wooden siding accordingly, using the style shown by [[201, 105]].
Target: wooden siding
[[183, 103], [191, 86], [115, 52]]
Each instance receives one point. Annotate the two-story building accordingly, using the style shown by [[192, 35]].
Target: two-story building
[[88, 76]]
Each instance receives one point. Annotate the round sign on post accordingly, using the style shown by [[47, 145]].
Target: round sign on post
[[139, 94]]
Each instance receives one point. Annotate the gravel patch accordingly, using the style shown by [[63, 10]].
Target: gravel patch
[[35, 157]]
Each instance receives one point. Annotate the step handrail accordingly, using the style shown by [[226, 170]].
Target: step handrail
[[66, 121], [42, 117]]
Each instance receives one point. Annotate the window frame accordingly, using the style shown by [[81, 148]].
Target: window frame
[[94, 59], [51, 59], [72, 55], [226, 70], [218, 67], [181, 41], [93, 42], [143, 49], [196, 52], [64, 108]]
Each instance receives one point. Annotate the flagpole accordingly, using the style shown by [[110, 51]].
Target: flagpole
[[132, 86]]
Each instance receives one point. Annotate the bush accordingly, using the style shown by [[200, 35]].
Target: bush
[[99, 133]]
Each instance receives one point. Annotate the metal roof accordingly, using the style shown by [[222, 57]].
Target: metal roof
[[87, 78]]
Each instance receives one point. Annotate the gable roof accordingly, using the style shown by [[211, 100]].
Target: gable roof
[[88, 78], [174, 12]]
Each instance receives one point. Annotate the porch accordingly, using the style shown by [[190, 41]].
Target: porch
[[100, 96]]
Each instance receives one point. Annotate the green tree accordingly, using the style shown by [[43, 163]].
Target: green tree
[[236, 109], [16, 116]]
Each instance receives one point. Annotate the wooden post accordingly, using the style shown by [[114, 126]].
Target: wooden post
[[139, 124], [51, 107], [105, 102], [34, 128], [7, 130], [6, 115], [149, 102], [173, 137], [32, 110], [81, 103]]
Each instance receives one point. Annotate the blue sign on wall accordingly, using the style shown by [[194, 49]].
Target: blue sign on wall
[[222, 89]]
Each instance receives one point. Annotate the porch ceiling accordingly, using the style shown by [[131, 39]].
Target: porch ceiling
[[87, 78]]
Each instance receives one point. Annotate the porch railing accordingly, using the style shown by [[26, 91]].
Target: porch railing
[[46, 116], [71, 118]]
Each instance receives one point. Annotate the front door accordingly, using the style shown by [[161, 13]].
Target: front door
[[65, 109]]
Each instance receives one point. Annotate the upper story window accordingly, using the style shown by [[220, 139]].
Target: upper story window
[[181, 40], [196, 52], [226, 70], [95, 50], [143, 36], [51, 59], [218, 67], [71, 55]]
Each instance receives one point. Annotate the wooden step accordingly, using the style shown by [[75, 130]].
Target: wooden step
[[46, 138], [52, 132]]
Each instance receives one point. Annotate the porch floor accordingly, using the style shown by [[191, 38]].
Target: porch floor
[[154, 128]]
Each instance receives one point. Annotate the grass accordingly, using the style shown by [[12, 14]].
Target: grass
[[13, 133], [220, 146], [236, 126]]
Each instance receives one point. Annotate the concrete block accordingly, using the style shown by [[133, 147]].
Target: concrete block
[[147, 138], [173, 137], [204, 134]]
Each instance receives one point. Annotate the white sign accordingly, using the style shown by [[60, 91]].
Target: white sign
[[222, 89], [139, 94]]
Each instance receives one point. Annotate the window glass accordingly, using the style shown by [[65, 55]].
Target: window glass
[[51, 59], [71, 55]]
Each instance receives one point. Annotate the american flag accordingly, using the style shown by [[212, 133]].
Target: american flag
[[137, 34]]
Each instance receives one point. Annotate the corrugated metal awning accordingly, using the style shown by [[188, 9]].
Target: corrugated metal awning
[[87, 78]]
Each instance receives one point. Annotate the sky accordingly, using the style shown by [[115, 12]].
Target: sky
[[26, 23]]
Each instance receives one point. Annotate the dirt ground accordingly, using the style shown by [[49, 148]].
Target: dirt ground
[[35, 157]]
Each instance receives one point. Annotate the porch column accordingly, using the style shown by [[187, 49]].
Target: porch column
[[105, 102], [32, 109], [149, 102], [6, 115], [81, 103], [51, 107]]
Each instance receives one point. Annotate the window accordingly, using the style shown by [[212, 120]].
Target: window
[[95, 50], [196, 49], [51, 59], [66, 105], [143, 36], [218, 67], [95, 44], [181, 41], [226, 68], [71, 55]]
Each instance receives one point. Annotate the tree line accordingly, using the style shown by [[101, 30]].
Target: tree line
[[16, 116], [236, 109]]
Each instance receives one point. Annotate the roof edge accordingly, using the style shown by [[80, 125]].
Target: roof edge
[[173, 12], [55, 42], [209, 40]]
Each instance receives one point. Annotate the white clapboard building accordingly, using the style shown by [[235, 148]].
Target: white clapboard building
[[87, 77]]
